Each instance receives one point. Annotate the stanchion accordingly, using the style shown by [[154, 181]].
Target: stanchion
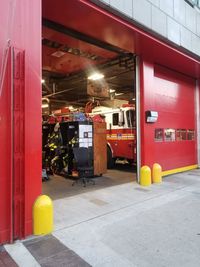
[[42, 216], [157, 173], [145, 176]]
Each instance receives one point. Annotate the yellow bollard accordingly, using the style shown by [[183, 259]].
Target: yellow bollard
[[157, 173], [42, 215], [145, 176]]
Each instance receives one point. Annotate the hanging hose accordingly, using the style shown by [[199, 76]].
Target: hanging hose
[[4, 65], [4, 62]]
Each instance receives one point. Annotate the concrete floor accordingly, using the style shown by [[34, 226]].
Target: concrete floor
[[59, 187], [129, 225]]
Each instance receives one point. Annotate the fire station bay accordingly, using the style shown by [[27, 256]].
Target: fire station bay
[[93, 94]]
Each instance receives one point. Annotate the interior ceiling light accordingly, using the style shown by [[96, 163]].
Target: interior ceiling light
[[96, 76], [117, 94], [111, 91], [133, 99], [43, 81], [45, 105]]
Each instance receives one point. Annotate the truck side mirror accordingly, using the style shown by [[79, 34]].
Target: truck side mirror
[[121, 118]]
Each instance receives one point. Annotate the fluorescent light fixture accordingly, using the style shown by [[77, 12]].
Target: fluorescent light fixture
[[119, 94], [43, 81], [96, 76], [46, 105]]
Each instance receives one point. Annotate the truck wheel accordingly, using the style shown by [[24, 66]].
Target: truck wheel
[[130, 162], [110, 160]]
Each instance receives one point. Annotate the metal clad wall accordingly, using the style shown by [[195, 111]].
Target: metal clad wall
[[21, 30], [175, 20]]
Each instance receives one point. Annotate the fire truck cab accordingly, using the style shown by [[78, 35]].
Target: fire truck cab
[[121, 132]]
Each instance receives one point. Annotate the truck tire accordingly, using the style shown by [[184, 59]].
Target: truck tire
[[130, 161], [110, 160]]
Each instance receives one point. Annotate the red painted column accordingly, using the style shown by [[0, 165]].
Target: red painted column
[[20, 116], [6, 231], [146, 103]]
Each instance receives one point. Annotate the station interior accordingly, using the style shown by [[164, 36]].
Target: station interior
[[69, 61]]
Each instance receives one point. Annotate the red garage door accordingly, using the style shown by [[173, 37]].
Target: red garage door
[[175, 131]]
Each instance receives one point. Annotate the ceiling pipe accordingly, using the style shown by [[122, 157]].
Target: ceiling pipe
[[113, 62], [60, 92]]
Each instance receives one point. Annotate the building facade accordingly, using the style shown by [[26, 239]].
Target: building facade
[[165, 37], [177, 21]]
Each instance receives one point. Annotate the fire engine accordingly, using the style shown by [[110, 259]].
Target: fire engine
[[121, 132]]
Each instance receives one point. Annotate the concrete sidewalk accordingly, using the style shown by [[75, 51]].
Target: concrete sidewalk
[[124, 225]]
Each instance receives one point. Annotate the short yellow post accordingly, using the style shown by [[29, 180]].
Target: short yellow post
[[157, 173], [145, 176], [42, 215]]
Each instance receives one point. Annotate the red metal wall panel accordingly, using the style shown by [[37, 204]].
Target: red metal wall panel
[[18, 141], [6, 148], [21, 28], [172, 94]]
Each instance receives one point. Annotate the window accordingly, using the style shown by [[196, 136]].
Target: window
[[158, 135], [130, 114], [193, 3], [169, 135], [181, 134], [115, 118], [190, 134]]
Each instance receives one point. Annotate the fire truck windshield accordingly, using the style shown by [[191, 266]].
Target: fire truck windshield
[[130, 115]]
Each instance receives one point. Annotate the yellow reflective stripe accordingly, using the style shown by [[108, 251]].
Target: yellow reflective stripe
[[120, 137], [182, 169]]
